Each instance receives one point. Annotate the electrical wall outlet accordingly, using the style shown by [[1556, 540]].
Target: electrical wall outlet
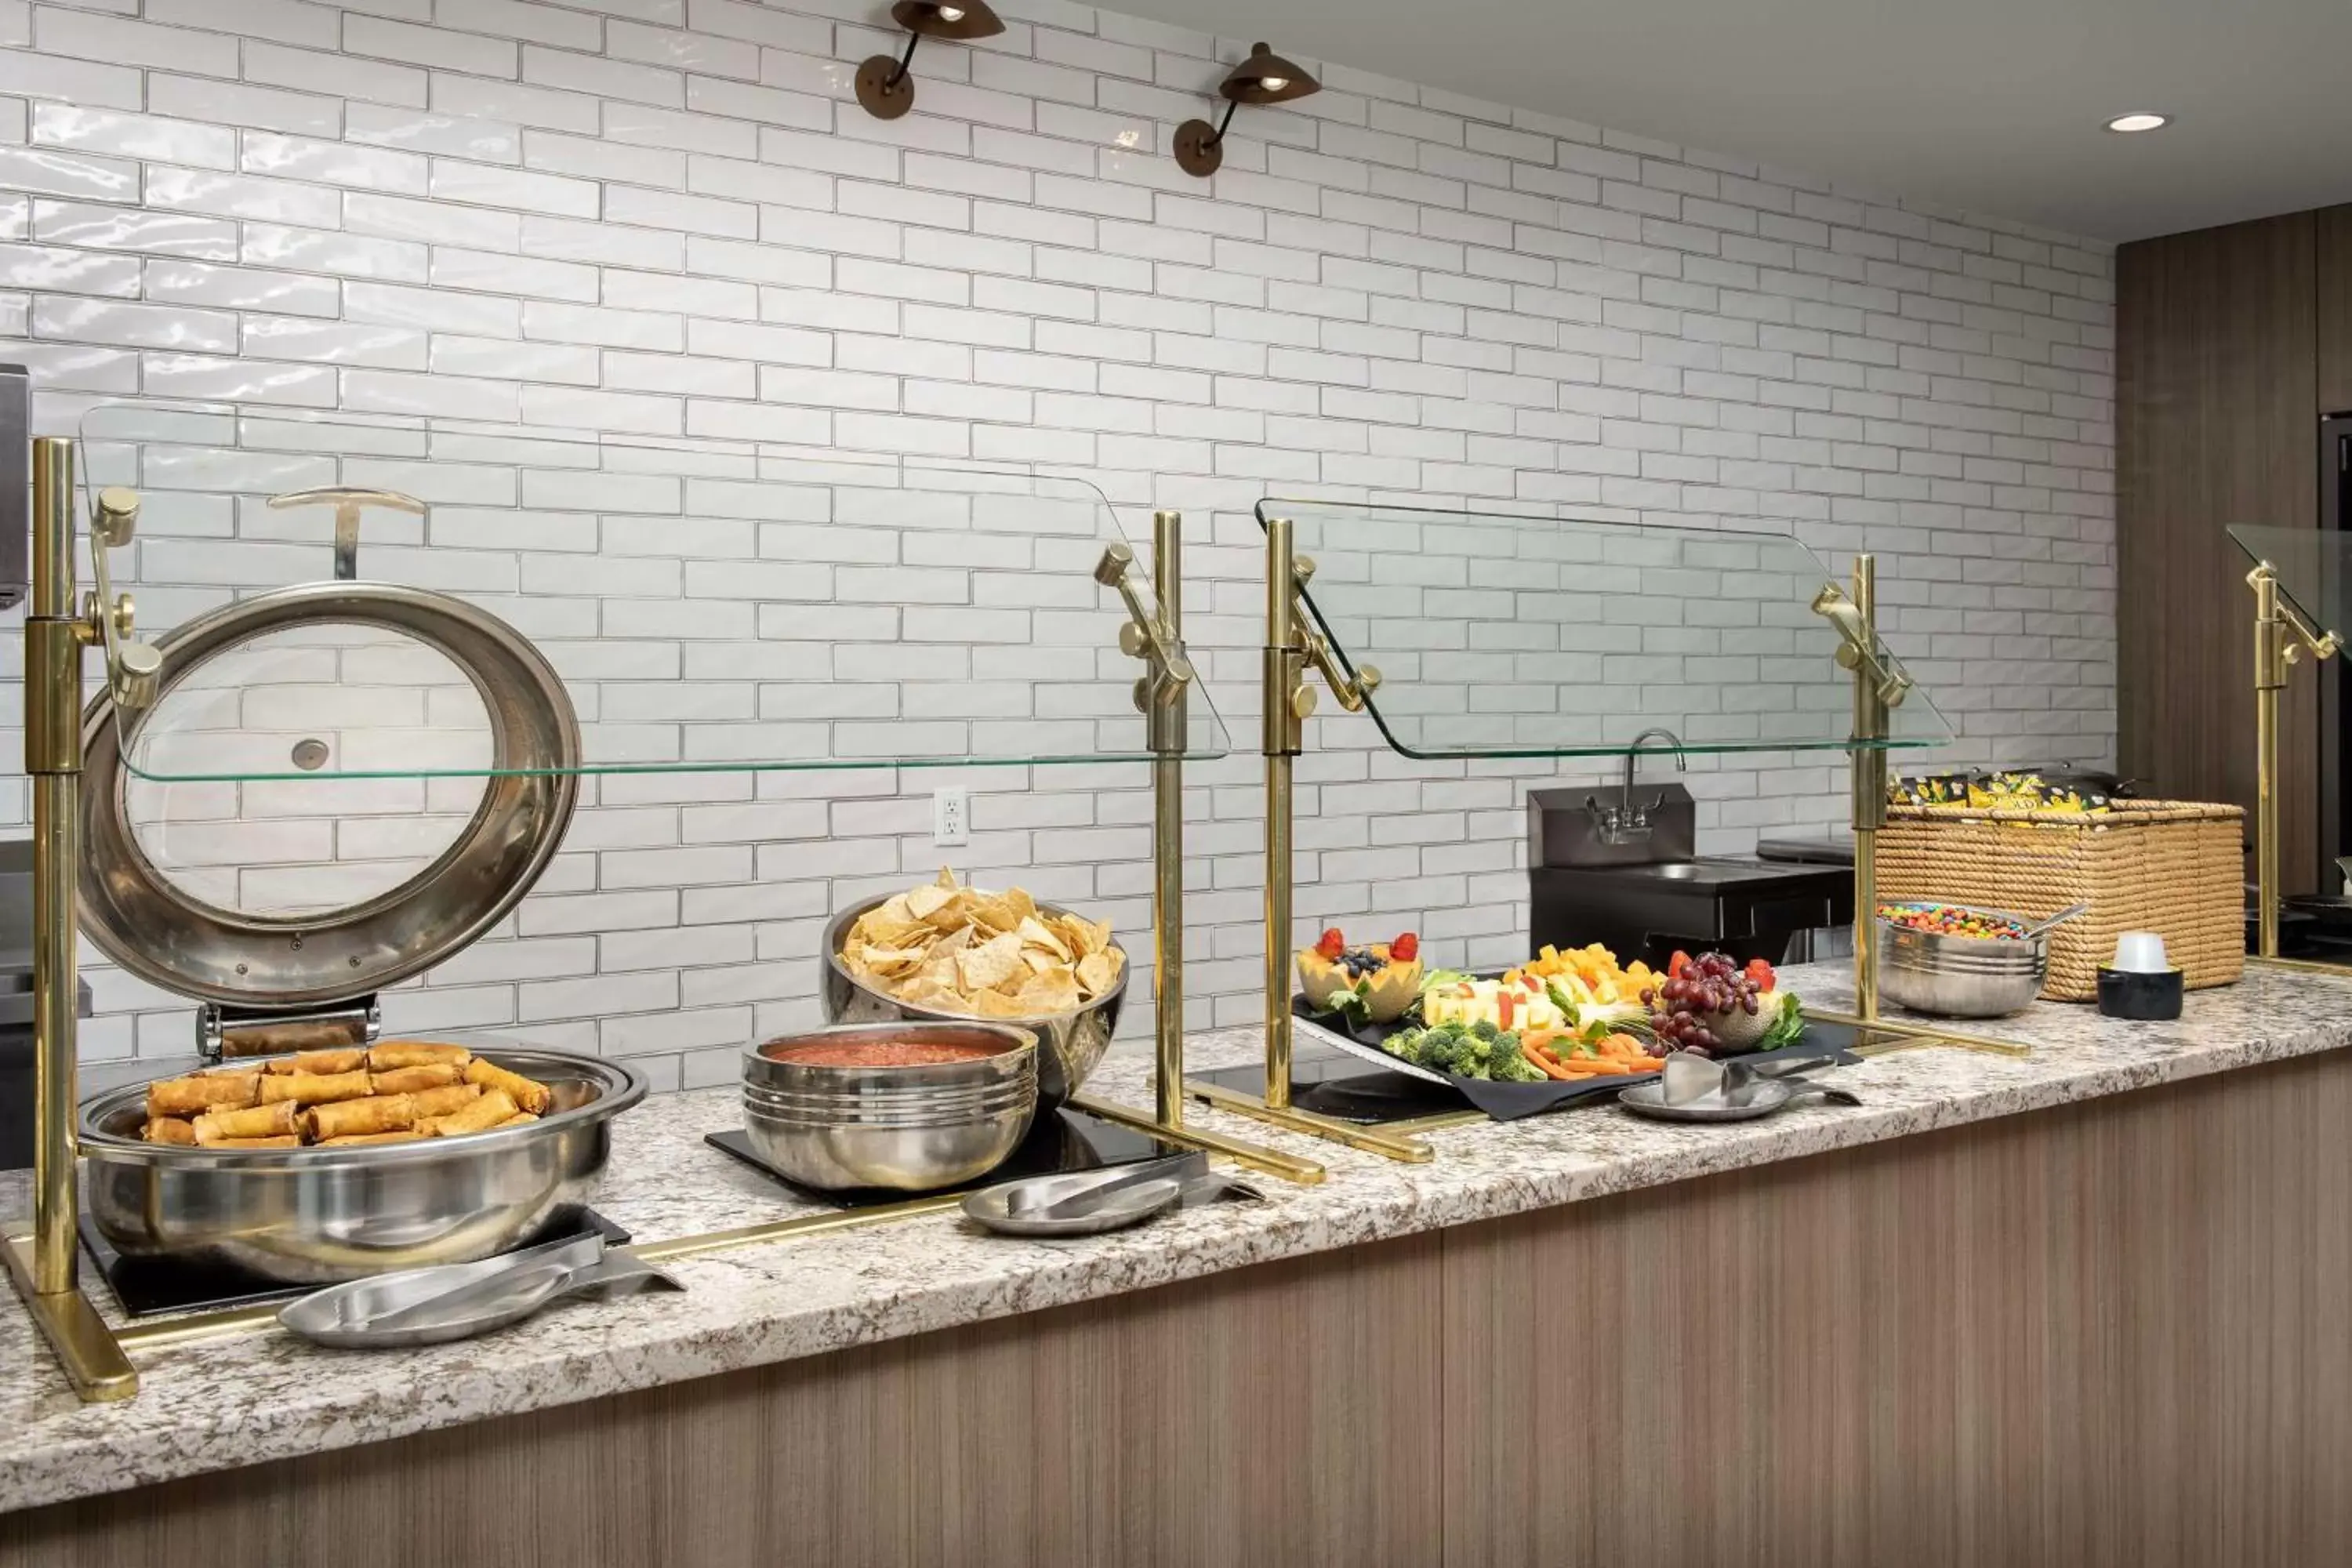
[[950, 816]]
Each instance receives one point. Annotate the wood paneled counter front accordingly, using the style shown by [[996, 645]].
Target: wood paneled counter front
[[2081, 1307]]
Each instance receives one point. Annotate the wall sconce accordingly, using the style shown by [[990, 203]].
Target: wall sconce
[[883, 85], [1263, 78]]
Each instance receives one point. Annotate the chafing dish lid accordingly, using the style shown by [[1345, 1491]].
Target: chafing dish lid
[[292, 890]]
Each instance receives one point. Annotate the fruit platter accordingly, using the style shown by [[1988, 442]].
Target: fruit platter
[[1563, 1026]]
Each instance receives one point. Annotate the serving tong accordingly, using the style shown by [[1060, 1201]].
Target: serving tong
[[1693, 1087], [1089, 1203], [459, 1301]]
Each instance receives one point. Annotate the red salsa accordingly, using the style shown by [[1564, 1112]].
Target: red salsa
[[875, 1053]]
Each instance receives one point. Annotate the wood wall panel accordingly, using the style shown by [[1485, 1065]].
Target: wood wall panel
[[2105, 1336], [2100, 1337], [1229, 1423], [2334, 280], [2216, 400]]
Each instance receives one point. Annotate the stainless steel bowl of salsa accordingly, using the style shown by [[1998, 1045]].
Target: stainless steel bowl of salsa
[[907, 1106]]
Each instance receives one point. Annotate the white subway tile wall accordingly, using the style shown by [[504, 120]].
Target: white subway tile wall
[[669, 218]]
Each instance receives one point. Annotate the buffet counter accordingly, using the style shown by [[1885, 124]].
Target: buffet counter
[[1352, 1309]]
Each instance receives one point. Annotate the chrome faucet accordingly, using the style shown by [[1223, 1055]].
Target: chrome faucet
[[1625, 822]]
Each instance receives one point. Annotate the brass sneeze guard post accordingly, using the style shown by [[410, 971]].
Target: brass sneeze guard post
[[1291, 645], [1878, 689], [44, 1265], [2281, 638], [1155, 634]]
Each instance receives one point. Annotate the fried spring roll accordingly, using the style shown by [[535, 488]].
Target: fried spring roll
[[528, 1092], [274, 1120], [437, 1103], [315, 1088], [516, 1119], [494, 1107], [327, 1063], [415, 1054], [205, 1092], [287, 1141], [412, 1080], [168, 1129], [405, 1135], [377, 1113]]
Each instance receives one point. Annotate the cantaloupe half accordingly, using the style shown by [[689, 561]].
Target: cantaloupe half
[[1386, 992]]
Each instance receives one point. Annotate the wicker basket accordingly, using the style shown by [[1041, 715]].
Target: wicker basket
[[2173, 867]]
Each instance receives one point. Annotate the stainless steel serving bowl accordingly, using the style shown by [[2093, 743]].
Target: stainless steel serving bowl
[[1961, 976], [912, 1129], [318, 1216], [1070, 1045]]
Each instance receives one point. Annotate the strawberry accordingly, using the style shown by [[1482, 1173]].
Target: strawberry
[[1332, 945], [1405, 949]]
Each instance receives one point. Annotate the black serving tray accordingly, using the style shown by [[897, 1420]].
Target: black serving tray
[[1330, 1082], [148, 1285], [1061, 1143]]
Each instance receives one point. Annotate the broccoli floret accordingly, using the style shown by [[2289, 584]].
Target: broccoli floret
[[1405, 1044], [1510, 1064], [1441, 1051], [1485, 1031]]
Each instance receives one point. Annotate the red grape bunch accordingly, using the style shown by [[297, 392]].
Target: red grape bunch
[[1680, 1006]]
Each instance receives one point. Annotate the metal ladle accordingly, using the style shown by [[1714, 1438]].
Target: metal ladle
[[2061, 918]]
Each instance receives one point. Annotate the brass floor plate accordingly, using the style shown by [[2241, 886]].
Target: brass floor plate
[[84, 1347], [1256, 1156], [1383, 1140]]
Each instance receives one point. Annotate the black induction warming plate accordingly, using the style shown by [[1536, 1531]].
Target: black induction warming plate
[[1061, 1143], [146, 1286]]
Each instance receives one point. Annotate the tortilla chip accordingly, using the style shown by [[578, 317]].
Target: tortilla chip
[[1057, 992], [1035, 934], [989, 965], [1096, 974], [993, 1005], [949, 948]]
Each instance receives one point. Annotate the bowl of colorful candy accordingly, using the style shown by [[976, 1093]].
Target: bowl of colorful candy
[[1959, 960]]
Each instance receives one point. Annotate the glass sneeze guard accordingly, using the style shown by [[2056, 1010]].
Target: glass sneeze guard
[[709, 605], [1500, 636], [2314, 567]]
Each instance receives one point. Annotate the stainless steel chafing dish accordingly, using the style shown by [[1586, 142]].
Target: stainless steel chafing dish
[[273, 976], [321, 1214]]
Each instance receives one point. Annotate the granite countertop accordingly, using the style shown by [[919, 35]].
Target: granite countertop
[[215, 1403]]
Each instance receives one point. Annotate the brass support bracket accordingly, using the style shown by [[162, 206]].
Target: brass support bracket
[[1293, 645], [1879, 687], [2281, 638], [2281, 634], [44, 1266]]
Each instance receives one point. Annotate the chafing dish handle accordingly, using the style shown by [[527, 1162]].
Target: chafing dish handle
[[222, 1032]]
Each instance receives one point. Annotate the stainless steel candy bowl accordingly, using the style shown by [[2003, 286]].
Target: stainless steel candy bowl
[[912, 1129], [316, 1216], [1961, 976], [1070, 1046]]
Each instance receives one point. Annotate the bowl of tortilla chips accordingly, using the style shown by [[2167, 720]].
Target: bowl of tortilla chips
[[945, 951]]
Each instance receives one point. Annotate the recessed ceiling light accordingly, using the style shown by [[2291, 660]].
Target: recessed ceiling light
[[2139, 121]]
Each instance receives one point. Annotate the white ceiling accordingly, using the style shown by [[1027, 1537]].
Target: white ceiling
[[1993, 105]]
